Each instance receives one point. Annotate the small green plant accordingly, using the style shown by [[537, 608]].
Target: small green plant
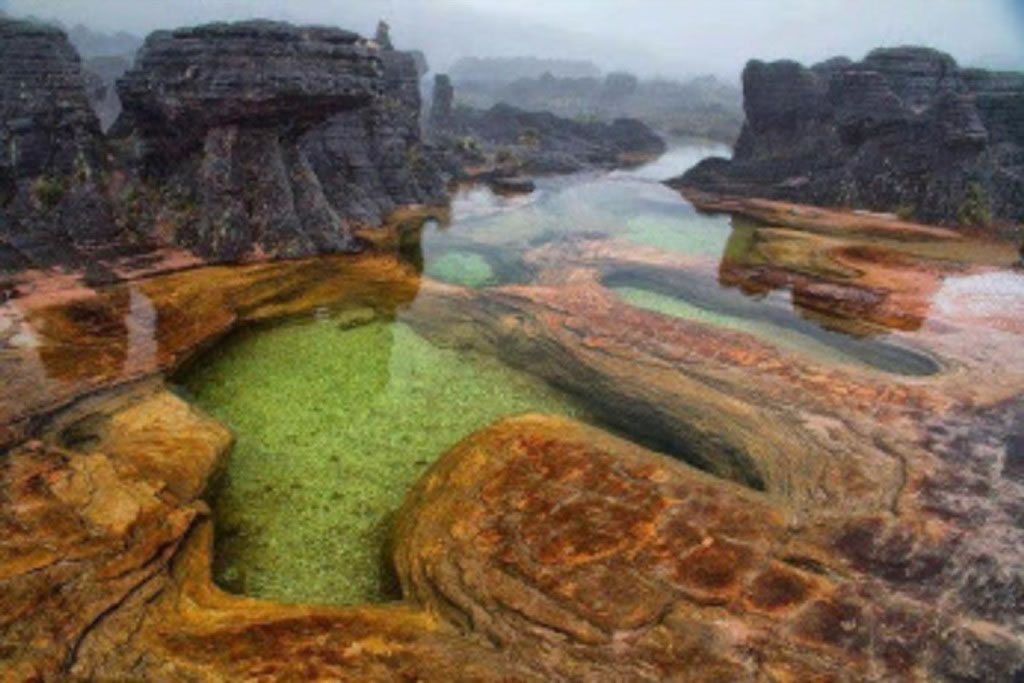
[[469, 143], [976, 208], [905, 212], [48, 191]]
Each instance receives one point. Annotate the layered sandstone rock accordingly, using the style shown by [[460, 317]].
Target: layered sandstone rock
[[53, 206], [264, 139], [903, 130], [851, 524]]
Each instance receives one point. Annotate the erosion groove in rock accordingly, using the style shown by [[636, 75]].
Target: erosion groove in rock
[[904, 130]]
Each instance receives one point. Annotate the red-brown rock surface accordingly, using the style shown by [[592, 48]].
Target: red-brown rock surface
[[853, 524]]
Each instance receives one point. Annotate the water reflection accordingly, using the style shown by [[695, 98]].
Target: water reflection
[[489, 240]]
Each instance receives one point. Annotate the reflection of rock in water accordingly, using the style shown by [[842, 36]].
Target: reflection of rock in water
[[834, 283], [85, 339]]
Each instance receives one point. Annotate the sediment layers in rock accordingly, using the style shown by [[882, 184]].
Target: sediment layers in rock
[[53, 205], [904, 130], [260, 139], [849, 525]]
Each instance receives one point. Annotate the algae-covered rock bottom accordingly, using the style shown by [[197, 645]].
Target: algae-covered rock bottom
[[334, 425]]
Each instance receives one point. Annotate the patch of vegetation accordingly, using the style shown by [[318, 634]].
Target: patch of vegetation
[[470, 144], [48, 191], [530, 137], [506, 156], [976, 208], [906, 212]]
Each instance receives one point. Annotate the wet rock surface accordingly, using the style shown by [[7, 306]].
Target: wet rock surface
[[905, 129], [847, 525]]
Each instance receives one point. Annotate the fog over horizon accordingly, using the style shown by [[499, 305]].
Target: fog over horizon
[[648, 37]]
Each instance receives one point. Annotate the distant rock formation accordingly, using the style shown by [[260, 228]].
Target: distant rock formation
[[265, 139], [699, 107], [53, 205], [505, 69], [505, 141], [90, 43], [101, 74], [383, 36], [441, 106], [905, 130]]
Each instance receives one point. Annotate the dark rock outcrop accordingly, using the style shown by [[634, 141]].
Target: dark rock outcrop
[[264, 139], [53, 168], [371, 160], [239, 141], [441, 105], [903, 130]]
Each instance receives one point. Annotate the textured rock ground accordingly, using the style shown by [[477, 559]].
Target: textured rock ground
[[849, 524], [905, 130]]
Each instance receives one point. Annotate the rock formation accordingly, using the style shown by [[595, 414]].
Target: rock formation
[[441, 105], [53, 169], [263, 139], [904, 130], [236, 141], [699, 107]]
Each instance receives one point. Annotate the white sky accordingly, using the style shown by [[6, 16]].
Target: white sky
[[670, 37]]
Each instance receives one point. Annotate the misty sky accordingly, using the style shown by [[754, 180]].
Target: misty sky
[[667, 37]]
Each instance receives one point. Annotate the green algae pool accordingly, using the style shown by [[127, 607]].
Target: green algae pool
[[461, 268], [333, 426]]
